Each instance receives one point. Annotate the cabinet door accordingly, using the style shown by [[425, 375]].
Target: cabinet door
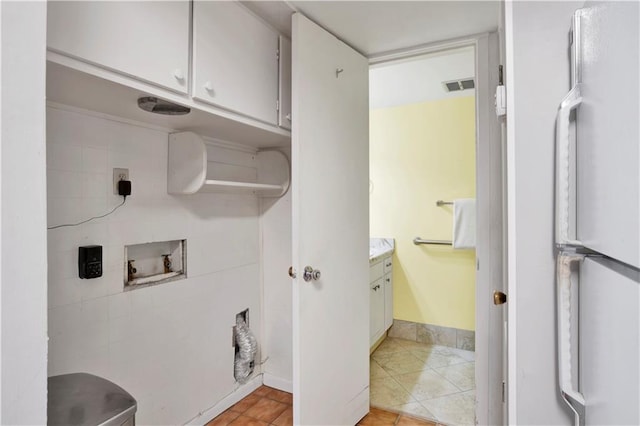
[[388, 301], [143, 39], [376, 317], [284, 83], [235, 60]]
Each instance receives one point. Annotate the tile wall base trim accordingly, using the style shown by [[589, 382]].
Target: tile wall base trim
[[277, 383], [373, 347], [433, 334], [226, 402]]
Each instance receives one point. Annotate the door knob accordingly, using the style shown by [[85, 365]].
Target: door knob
[[311, 274], [208, 86], [499, 298], [292, 272]]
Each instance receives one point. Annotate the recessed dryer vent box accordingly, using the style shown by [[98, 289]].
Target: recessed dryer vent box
[[154, 263]]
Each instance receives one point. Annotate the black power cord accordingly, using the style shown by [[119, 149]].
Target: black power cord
[[124, 189], [90, 219]]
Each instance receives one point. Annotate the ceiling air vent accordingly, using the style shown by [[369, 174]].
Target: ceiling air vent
[[456, 85]]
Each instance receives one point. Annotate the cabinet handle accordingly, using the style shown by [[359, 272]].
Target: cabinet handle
[[388, 264], [388, 280], [288, 116], [208, 86], [178, 74]]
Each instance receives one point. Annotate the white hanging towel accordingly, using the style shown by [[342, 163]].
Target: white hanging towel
[[464, 223]]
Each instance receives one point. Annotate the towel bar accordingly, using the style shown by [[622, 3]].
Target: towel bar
[[418, 241], [442, 203]]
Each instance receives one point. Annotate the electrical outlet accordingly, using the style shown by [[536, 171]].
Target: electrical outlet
[[118, 175]]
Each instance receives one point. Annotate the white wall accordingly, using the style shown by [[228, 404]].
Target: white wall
[[23, 290], [419, 79], [537, 78], [275, 224], [168, 345]]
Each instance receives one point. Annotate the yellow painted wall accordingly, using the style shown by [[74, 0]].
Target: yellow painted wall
[[421, 153]]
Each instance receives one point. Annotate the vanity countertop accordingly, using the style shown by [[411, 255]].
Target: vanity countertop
[[380, 247]]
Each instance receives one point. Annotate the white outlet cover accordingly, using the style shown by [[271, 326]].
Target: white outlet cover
[[118, 175]]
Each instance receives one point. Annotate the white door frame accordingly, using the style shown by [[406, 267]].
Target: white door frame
[[490, 214]]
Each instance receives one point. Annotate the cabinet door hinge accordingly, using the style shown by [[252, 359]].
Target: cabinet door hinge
[[278, 105], [278, 54], [503, 392]]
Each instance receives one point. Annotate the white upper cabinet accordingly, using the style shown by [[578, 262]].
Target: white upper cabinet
[[144, 39], [235, 60], [284, 83]]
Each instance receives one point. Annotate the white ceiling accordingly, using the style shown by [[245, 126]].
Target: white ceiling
[[420, 79], [375, 27]]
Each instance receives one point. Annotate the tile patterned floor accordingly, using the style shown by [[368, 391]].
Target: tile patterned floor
[[428, 381], [267, 406], [378, 417]]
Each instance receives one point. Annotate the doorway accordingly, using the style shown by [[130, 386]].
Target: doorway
[[431, 146]]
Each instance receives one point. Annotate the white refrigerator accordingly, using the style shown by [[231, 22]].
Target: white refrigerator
[[598, 217]]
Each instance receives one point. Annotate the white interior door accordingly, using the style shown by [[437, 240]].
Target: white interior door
[[330, 203]]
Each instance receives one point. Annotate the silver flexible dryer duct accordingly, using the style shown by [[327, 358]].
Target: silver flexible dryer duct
[[246, 353]]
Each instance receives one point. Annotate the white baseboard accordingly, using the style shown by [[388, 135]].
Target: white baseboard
[[277, 383], [226, 402]]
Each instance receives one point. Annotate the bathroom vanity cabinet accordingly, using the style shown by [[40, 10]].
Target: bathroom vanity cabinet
[[380, 297]]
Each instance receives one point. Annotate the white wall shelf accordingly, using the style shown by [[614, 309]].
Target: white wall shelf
[[192, 171], [237, 187]]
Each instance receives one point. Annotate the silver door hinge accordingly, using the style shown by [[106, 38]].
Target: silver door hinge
[[503, 392], [277, 105], [278, 54]]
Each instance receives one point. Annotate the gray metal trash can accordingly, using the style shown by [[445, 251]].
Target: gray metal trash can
[[88, 400]]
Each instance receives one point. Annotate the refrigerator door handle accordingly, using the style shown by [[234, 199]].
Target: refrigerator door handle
[[564, 194], [570, 394]]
